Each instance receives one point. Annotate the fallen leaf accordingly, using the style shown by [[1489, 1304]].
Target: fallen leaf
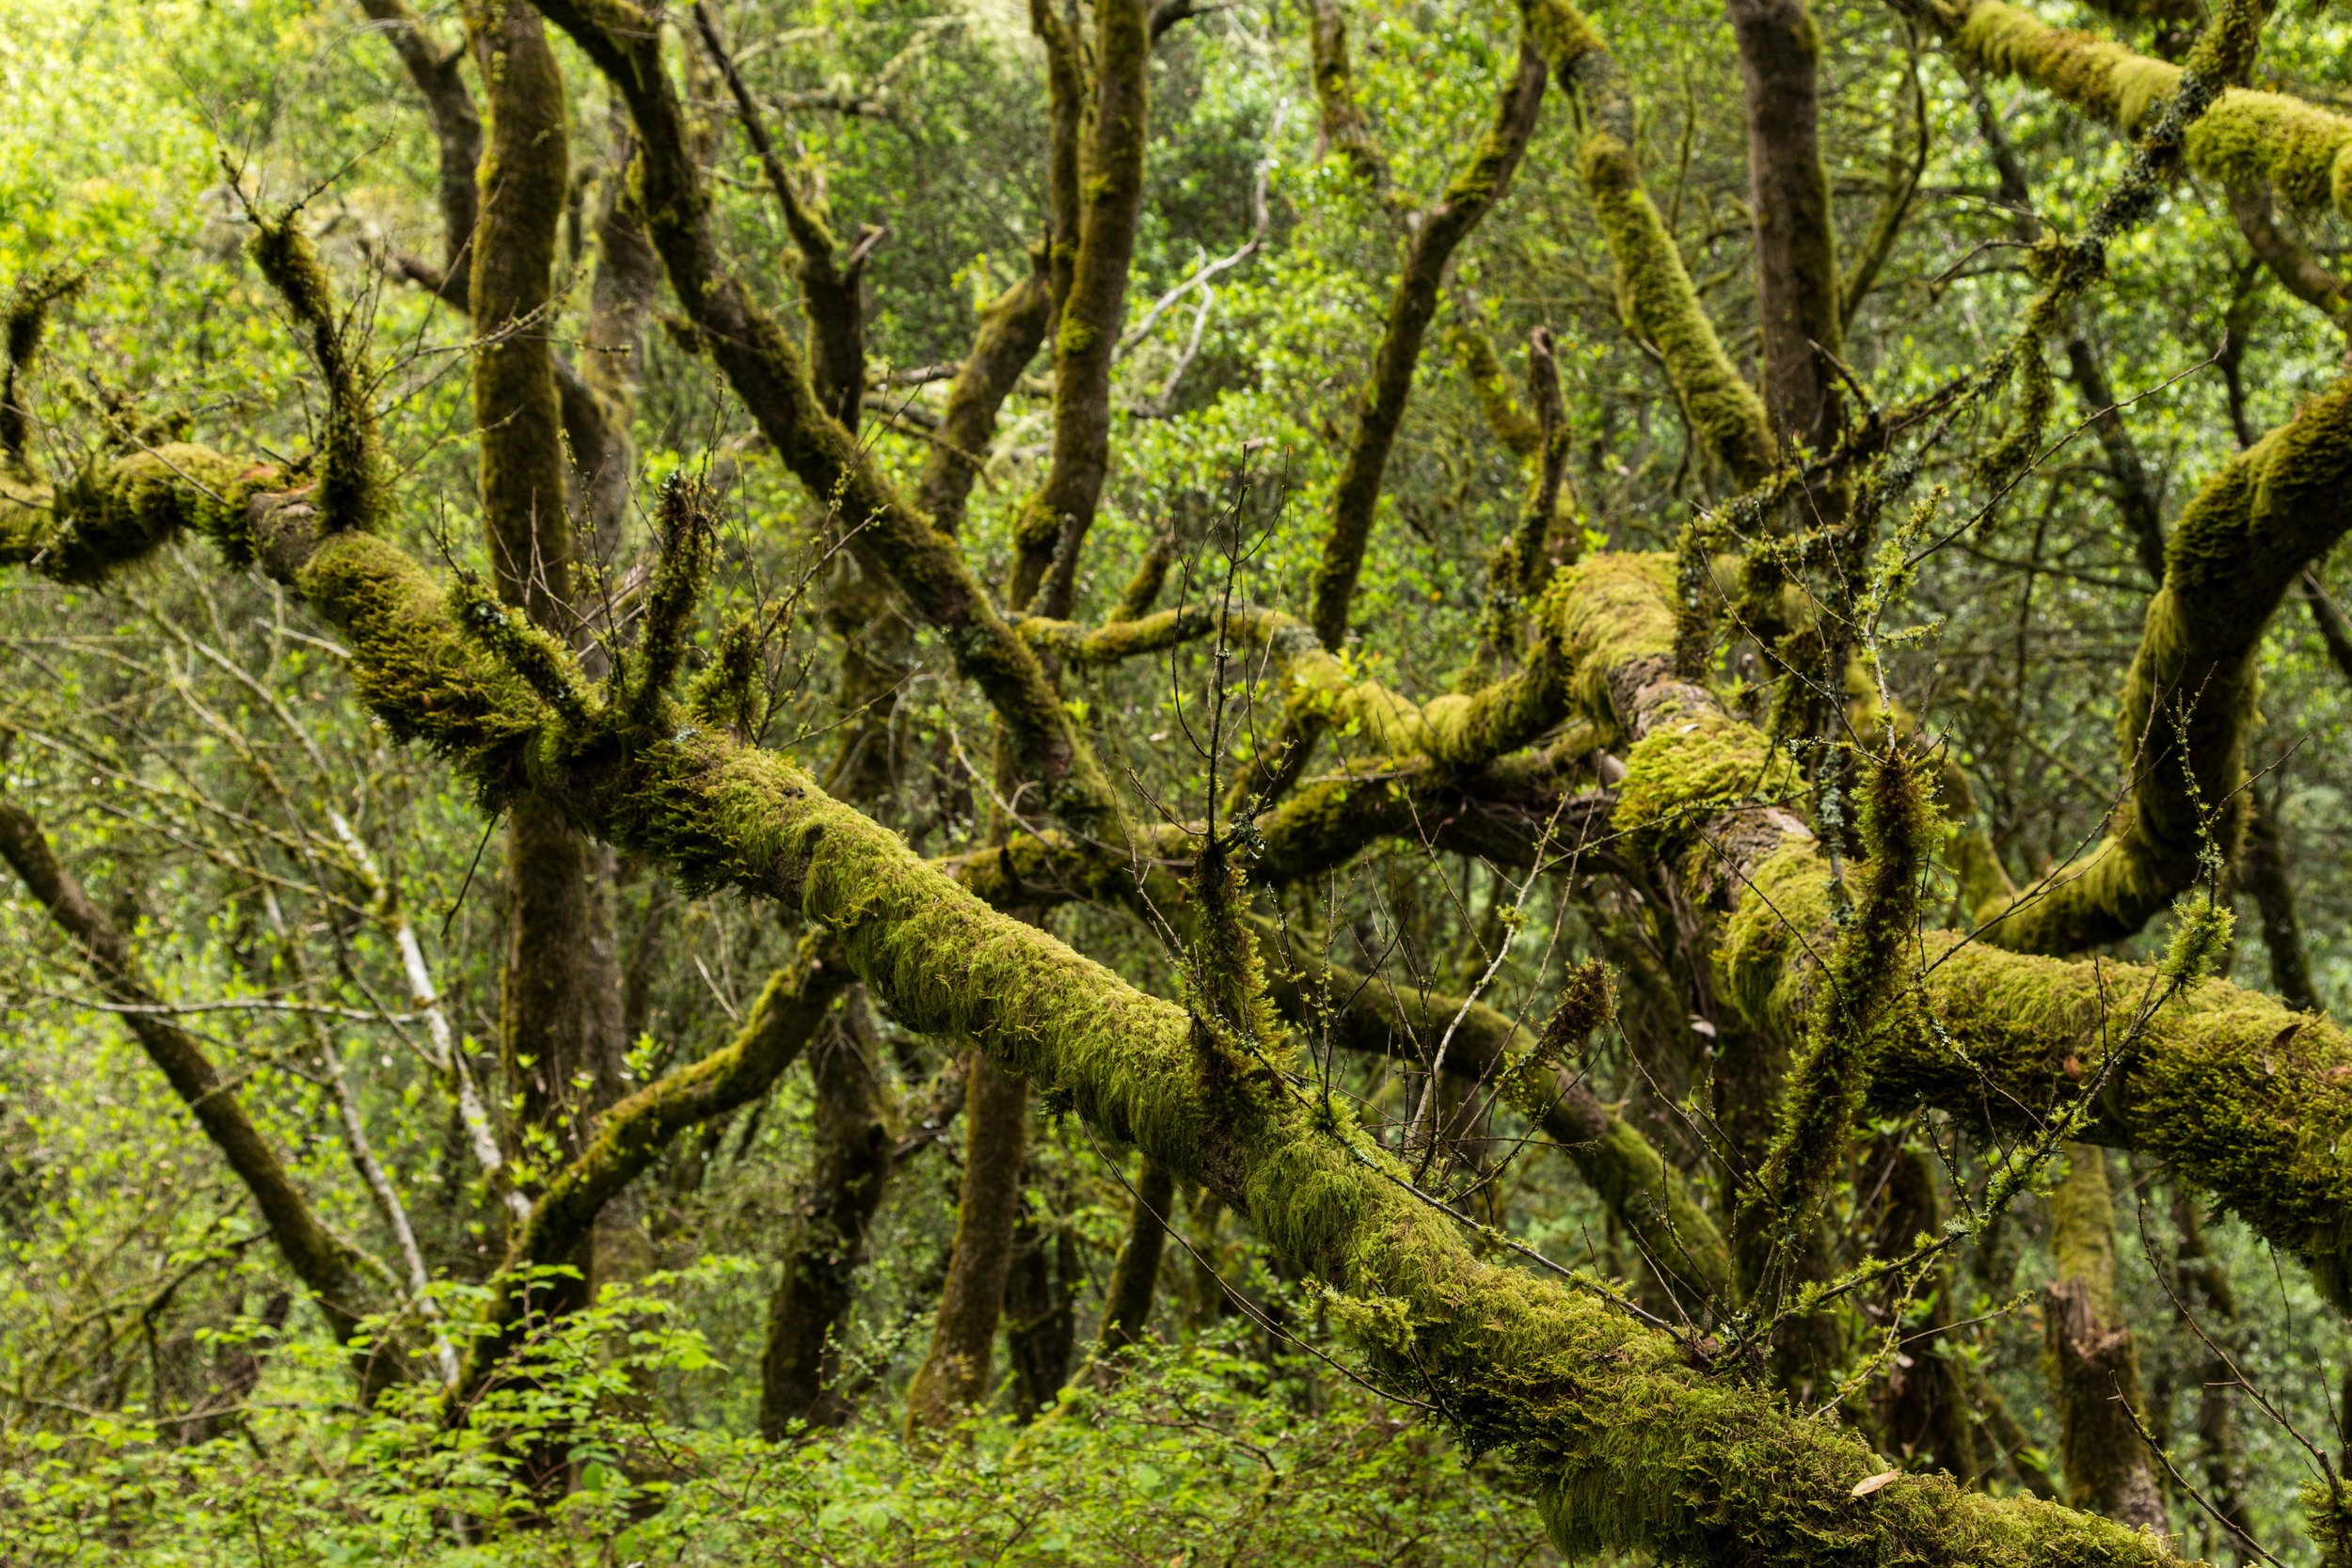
[[1864, 1488]]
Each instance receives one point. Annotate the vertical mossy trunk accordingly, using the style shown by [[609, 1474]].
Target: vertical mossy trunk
[[621, 296], [800, 1368], [1054, 523], [561, 1028], [1041, 1316], [2262, 871], [1796, 249], [2092, 1360], [954, 1377], [2205, 1285], [1127, 1300], [1922, 1407]]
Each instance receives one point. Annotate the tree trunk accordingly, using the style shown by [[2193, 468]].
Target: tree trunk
[[1923, 1408], [1040, 1326], [954, 1377], [1796, 249], [800, 1370], [2092, 1362], [2205, 1281], [2262, 871], [1127, 1302], [563, 1007]]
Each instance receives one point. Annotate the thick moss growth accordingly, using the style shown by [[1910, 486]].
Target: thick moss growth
[[2239, 544], [2302, 150]]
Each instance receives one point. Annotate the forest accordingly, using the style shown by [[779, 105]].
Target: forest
[[1176, 783]]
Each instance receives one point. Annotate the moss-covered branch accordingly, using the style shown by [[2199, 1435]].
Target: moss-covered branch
[[1011, 326], [1654, 289], [2245, 137], [2244, 1098], [632, 1133], [1054, 524], [1380, 407], [769, 372], [2239, 546], [1679, 1240], [1627, 1440]]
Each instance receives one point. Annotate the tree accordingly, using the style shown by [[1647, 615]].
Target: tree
[[1681, 870]]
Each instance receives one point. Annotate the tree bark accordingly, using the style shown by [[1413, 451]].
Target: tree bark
[[2262, 871], [561, 1028], [1135, 1278], [800, 1370], [2205, 1283], [1054, 525], [1380, 406], [1796, 240], [318, 1258], [1923, 1408], [954, 1377], [1013, 325], [2093, 1362], [457, 137], [1040, 1297], [2134, 492]]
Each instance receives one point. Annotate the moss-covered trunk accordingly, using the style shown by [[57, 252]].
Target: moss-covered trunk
[[1135, 1278], [953, 1379], [561, 1028], [1796, 237], [800, 1368], [2093, 1361]]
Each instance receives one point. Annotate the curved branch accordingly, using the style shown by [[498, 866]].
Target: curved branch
[[631, 1135], [1654, 290], [1380, 409], [769, 374], [1632, 1444], [2240, 545], [321, 1260]]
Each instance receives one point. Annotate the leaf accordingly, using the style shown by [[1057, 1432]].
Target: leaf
[[1868, 1484]]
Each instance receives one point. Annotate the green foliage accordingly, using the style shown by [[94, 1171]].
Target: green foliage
[[1216, 1449]]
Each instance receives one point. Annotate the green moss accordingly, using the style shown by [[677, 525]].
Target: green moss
[[350, 461], [2303, 151], [1656, 296], [1690, 768], [2189, 694], [631, 1135], [116, 514]]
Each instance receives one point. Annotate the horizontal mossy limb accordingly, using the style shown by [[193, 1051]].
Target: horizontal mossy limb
[[1629, 1441], [2302, 150], [1681, 1242], [2243, 1097]]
